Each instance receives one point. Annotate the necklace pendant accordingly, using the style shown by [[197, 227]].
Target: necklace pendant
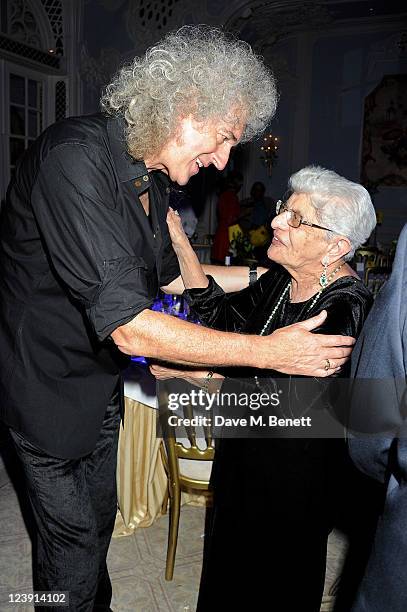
[[323, 281]]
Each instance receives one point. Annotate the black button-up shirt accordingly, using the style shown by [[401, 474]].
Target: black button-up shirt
[[78, 258]]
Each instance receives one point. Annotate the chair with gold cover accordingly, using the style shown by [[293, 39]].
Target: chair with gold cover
[[174, 453]]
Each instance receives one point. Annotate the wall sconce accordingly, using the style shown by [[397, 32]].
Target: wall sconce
[[269, 150]]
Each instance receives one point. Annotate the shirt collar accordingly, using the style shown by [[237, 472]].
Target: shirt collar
[[128, 168]]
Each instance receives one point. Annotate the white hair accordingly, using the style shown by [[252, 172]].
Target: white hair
[[343, 206], [196, 70]]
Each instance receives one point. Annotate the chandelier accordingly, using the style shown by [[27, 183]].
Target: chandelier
[[269, 150]]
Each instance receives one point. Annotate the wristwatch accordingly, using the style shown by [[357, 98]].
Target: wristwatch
[[252, 273]]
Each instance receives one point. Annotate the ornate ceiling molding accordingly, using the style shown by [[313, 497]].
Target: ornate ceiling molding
[[264, 24], [37, 24], [149, 20], [23, 24]]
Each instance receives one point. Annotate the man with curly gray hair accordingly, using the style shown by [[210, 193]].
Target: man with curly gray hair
[[84, 248], [201, 75]]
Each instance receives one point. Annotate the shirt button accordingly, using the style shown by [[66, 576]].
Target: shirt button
[[145, 178], [168, 189], [137, 183]]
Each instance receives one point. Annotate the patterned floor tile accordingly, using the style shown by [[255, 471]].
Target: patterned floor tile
[[182, 592], [8, 607], [136, 562], [130, 595], [8, 497], [15, 565], [190, 538], [123, 555]]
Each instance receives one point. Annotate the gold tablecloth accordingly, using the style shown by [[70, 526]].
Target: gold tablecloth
[[141, 476]]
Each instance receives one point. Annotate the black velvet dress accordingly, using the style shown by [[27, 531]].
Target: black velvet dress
[[275, 500]]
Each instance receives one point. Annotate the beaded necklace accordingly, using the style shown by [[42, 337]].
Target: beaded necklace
[[288, 289], [276, 307]]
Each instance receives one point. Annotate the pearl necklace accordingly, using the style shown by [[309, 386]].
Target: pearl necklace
[[276, 307], [288, 289]]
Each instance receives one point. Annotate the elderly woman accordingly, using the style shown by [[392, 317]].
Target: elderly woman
[[274, 499]]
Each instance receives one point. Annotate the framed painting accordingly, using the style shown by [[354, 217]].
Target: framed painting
[[384, 141]]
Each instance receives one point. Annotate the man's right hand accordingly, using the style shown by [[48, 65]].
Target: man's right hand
[[295, 350]]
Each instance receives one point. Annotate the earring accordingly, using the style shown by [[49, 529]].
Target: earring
[[323, 279]]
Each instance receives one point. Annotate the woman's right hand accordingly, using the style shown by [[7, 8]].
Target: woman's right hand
[[178, 237], [191, 270]]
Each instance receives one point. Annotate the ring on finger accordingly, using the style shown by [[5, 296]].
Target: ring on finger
[[327, 365]]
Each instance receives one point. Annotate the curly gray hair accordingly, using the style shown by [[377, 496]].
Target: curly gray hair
[[340, 204], [199, 71]]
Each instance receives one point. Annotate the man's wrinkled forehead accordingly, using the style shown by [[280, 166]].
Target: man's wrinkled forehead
[[233, 124]]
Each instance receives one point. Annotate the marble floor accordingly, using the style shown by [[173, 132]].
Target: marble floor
[[136, 562]]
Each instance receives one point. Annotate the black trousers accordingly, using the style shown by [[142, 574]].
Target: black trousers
[[74, 504]]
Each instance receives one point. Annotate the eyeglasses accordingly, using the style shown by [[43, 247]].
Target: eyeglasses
[[294, 219]]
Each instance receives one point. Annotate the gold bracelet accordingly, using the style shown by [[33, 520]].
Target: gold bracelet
[[206, 381]]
